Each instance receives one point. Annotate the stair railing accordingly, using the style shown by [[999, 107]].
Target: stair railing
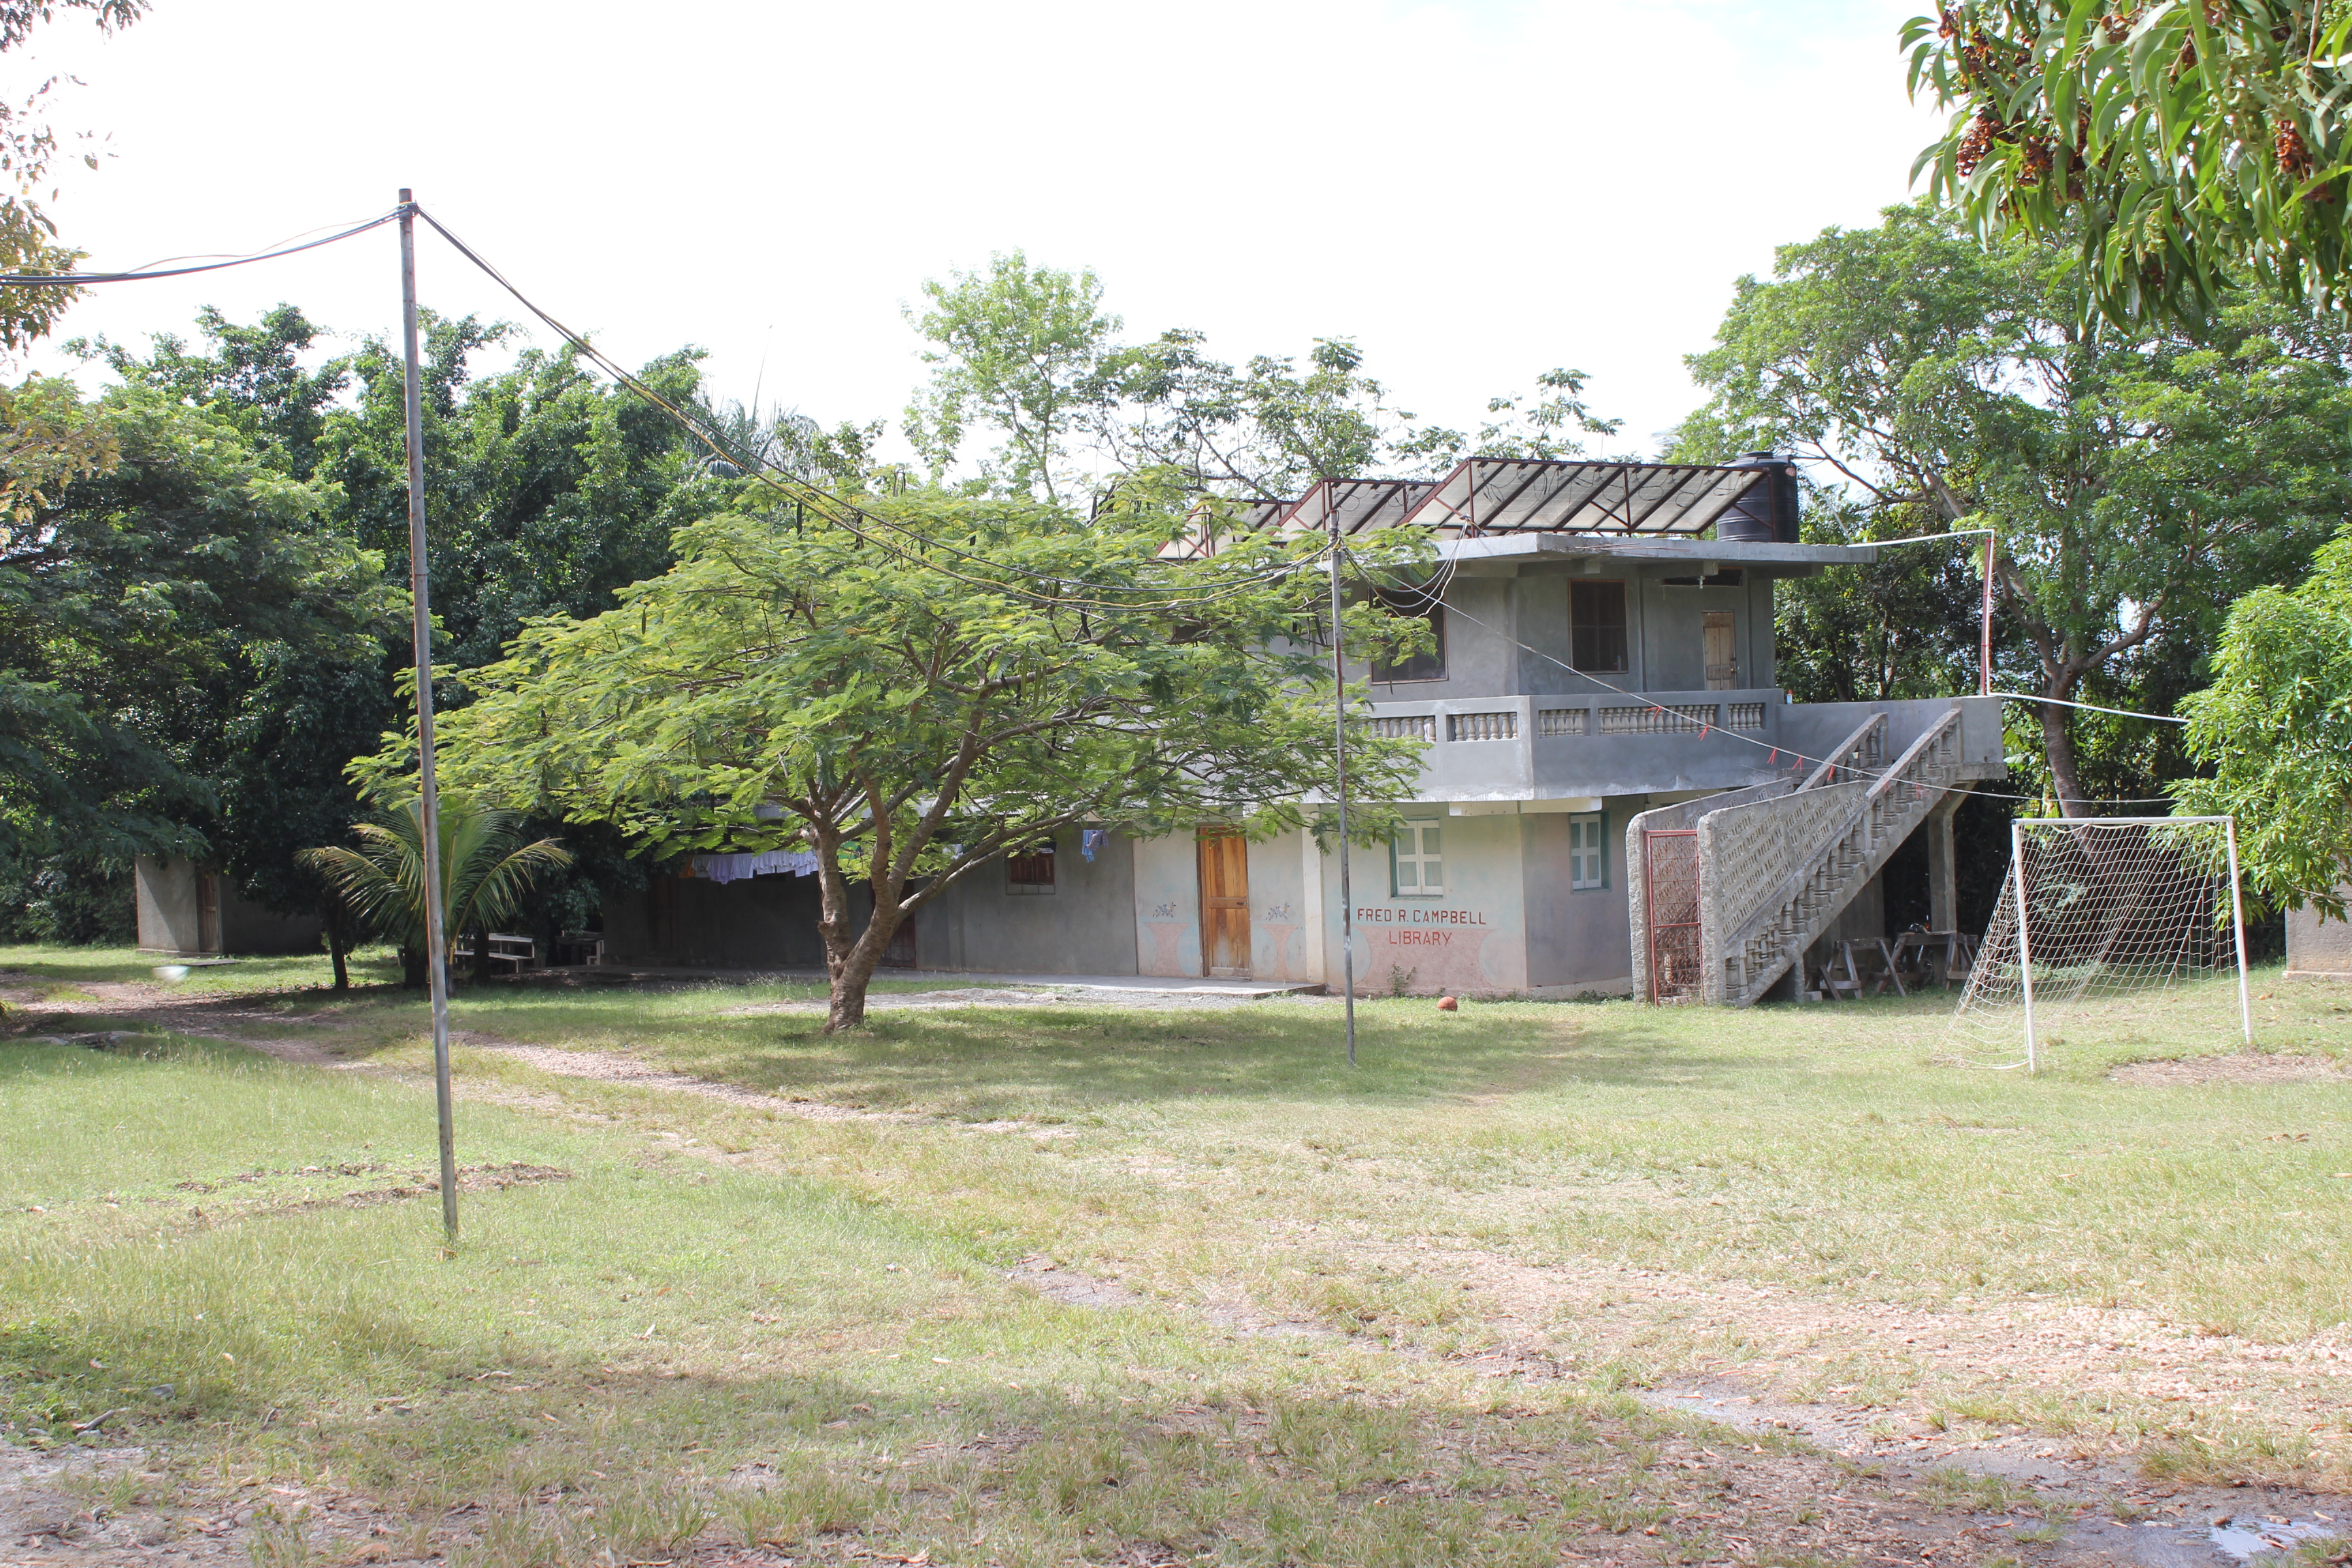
[[1754, 923]]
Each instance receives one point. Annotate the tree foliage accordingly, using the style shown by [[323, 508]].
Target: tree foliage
[[28, 146], [2139, 483], [2276, 728], [2176, 144], [911, 699], [135, 606], [549, 492], [1031, 355], [486, 870]]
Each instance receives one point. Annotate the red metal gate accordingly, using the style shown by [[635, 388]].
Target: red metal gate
[[1670, 876]]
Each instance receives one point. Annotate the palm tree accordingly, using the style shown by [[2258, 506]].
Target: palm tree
[[484, 872]]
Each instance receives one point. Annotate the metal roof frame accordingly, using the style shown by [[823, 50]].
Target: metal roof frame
[[1492, 497], [1361, 505], [1488, 496]]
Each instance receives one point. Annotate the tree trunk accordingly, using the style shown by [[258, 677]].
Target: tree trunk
[[336, 951], [2058, 745], [851, 971], [847, 1006], [412, 969]]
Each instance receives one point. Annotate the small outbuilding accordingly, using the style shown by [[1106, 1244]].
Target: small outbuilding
[[2318, 948], [193, 912]]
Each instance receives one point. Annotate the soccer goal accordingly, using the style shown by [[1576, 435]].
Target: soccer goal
[[2107, 921]]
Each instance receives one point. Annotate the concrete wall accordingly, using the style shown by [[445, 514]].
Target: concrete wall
[[2318, 948], [1281, 947], [1168, 905], [1577, 938], [1480, 660], [1675, 625], [1084, 926], [169, 889], [167, 905], [1473, 939]]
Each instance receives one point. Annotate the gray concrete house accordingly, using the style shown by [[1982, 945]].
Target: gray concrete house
[[190, 911], [1615, 795]]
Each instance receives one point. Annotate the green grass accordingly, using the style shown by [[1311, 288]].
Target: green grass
[[685, 1328], [1815, 1147], [85, 964], [610, 1362]]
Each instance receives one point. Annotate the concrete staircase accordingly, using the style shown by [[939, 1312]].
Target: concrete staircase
[[1774, 874]]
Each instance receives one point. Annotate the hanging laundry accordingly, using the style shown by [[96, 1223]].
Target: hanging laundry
[[723, 868], [1092, 839]]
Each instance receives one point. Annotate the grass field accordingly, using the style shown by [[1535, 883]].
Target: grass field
[[786, 1317]]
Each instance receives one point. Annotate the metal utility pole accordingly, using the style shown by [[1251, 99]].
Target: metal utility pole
[[436, 975], [1339, 741], [1984, 623], [2024, 941]]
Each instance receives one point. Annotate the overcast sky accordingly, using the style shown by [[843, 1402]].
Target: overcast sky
[[1474, 191]]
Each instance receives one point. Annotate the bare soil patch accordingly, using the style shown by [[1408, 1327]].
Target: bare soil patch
[[2243, 1067]]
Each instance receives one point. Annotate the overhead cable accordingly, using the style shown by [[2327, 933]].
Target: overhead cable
[[157, 270], [844, 514], [1799, 757]]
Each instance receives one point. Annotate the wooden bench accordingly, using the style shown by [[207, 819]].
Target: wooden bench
[[521, 952], [1942, 956], [1843, 977]]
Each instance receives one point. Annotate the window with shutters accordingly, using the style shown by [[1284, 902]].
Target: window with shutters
[[1596, 624], [1416, 866], [1031, 871], [1588, 851]]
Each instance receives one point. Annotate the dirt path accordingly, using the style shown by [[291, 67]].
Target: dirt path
[[1756, 1359]]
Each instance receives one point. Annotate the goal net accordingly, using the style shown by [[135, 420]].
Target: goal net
[[2106, 925]]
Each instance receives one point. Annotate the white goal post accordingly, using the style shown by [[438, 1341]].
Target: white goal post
[[2095, 909]]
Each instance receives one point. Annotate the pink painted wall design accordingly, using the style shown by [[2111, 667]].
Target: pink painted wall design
[[1471, 938], [1168, 905]]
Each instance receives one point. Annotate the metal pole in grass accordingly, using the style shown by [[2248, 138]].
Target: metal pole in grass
[[436, 975], [2025, 945], [1340, 746], [2238, 929]]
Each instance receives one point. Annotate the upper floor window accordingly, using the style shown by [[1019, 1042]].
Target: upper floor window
[[1417, 867], [1429, 664], [1031, 871], [1596, 624], [1588, 851]]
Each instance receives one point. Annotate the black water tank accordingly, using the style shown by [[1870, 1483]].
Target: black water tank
[[1767, 514]]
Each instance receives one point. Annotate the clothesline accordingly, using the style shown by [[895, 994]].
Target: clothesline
[[725, 868]]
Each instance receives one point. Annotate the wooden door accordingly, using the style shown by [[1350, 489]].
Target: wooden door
[[1224, 904], [208, 913], [1722, 653]]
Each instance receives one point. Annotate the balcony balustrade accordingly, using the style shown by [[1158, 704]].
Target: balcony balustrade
[[1617, 744]]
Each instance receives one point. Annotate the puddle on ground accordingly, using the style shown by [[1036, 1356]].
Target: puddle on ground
[[2248, 1539]]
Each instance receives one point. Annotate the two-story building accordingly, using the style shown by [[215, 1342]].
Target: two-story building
[[1615, 793]]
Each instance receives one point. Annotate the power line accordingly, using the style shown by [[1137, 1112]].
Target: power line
[[843, 512], [155, 270], [1760, 745]]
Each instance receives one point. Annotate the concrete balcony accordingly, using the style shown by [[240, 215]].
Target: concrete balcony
[[1563, 746]]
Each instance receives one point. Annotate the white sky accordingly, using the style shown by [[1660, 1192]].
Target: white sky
[[1476, 191]]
